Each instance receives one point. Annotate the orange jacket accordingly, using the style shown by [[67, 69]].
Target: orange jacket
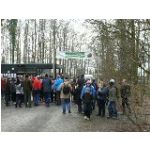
[[37, 85]]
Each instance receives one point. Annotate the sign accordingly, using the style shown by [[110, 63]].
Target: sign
[[73, 55]]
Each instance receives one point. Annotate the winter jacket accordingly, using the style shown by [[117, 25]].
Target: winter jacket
[[77, 93], [3, 84], [57, 84], [102, 94], [27, 86], [37, 84], [113, 93], [125, 91], [46, 83], [84, 90], [12, 87], [19, 89], [62, 95], [7, 89]]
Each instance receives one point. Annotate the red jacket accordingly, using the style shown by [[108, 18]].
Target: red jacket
[[3, 84], [37, 85]]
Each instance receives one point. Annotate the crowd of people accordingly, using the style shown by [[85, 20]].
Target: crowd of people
[[86, 94]]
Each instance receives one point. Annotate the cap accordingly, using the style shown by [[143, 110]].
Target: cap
[[112, 81]]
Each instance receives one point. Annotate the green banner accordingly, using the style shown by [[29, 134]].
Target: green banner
[[74, 55]]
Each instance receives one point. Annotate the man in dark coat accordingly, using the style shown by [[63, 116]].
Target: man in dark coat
[[46, 83], [125, 95], [7, 92], [27, 86]]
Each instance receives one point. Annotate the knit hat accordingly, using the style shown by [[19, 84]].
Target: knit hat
[[112, 81]]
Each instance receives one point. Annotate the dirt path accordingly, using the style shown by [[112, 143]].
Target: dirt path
[[43, 119]]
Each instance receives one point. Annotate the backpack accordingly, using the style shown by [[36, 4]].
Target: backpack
[[18, 89], [66, 89], [88, 95]]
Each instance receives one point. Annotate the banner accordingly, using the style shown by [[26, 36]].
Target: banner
[[73, 55]]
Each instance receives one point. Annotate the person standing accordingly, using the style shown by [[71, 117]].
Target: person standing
[[18, 93], [94, 84], [101, 95], [3, 87], [7, 92], [81, 80], [13, 91], [56, 87], [113, 96], [87, 95], [27, 86], [41, 90], [77, 99], [46, 84], [36, 87], [125, 95], [65, 93]]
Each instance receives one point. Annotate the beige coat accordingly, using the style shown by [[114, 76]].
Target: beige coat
[[62, 95]]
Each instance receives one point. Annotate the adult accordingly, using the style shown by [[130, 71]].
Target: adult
[[19, 89], [36, 87], [94, 84], [27, 86], [13, 90], [77, 99], [3, 86], [101, 96], [7, 92], [52, 90], [113, 96], [125, 95], [81, 80], [56, 87], [65, 93], [41, 90], [32, 81], [46, 83], [87, 95]]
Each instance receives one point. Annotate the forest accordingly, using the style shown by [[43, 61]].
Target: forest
[[119, 48]]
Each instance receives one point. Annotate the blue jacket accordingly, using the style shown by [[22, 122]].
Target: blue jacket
[[83, 91], [46, 85], [57, 84]]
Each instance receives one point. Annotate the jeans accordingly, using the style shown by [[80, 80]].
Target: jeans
[[93, 103], [87, 109], [41, 95], [2, 93], [7, 99], [79, 103], [101, 107], [36, 97], [51, 94], [18, 100], [66, 105], [47, 98], [112, 109], [13, 97]]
